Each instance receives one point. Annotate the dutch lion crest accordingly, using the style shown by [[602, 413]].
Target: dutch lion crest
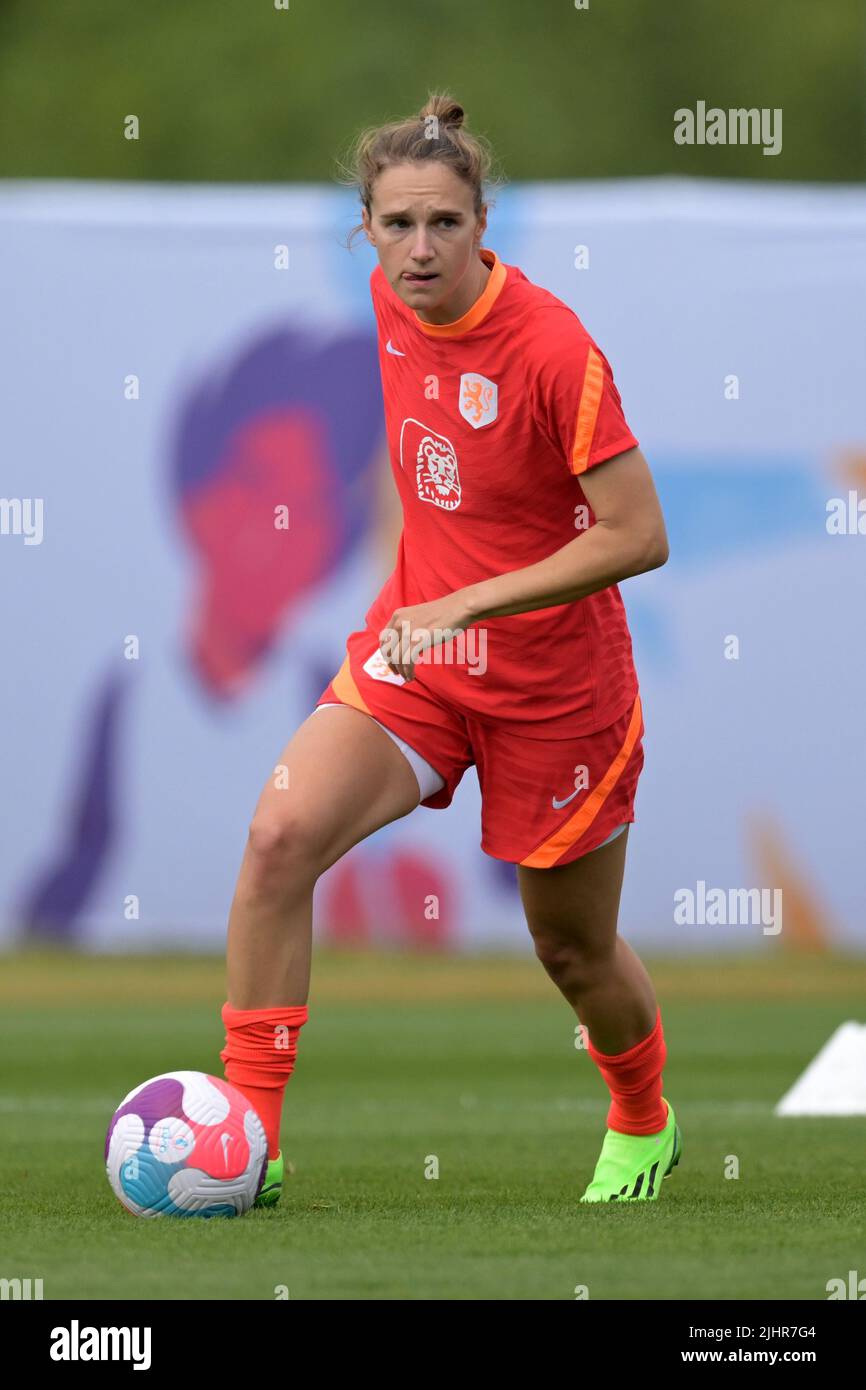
[[479, 399]]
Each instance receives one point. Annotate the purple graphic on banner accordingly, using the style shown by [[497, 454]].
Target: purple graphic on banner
[[293, 424], [60, 892], [269, 469]]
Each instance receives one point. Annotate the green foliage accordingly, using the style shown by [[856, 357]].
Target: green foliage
[[242, 91]]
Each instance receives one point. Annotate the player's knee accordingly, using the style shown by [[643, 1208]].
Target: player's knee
[[282, 847], [556, 955], [569, 956]]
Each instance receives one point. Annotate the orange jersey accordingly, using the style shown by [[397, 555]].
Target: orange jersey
[[491, 420]]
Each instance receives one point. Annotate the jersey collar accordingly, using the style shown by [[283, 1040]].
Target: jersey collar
[[479, 310]]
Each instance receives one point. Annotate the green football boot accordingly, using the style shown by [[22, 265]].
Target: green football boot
[[272, 1186], [630, 1166]]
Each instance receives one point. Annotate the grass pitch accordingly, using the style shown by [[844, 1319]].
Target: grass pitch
[[468, 1060]]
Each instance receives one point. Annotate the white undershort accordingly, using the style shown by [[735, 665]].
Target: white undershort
[[429, 780]]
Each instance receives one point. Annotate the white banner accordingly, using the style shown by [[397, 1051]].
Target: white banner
[[169, 353]]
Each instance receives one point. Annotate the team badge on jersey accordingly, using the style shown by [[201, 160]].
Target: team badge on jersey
[[479, 399], [434, 461], [377, 667]]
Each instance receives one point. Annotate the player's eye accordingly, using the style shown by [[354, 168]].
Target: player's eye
[[400, 222]]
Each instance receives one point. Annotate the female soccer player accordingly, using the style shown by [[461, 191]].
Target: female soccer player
[[499, 640]]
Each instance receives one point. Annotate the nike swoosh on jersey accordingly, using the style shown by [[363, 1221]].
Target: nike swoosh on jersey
[[558, 805], [394, 351]]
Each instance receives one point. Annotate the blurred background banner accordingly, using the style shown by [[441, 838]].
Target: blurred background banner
[[175, 356]]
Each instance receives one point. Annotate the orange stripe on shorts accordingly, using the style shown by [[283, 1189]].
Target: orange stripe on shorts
[[345, 688], [579, 822], [587, 412]]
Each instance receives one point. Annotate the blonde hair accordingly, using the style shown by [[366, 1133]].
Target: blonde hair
[[437, 132]]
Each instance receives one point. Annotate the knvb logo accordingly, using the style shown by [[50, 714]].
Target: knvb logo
[[737, 126], [479, 399], [75, 1343], [21, 1288]]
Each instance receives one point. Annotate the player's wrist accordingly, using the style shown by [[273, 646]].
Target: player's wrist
[[472, 603]]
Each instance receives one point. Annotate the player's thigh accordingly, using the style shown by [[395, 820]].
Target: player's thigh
[[339, 779]]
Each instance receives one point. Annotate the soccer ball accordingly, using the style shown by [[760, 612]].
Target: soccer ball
[[186, 1144]]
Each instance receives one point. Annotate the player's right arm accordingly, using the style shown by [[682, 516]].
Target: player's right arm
[[387, 521]]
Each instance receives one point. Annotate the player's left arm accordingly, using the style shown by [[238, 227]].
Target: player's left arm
[[576, 406], [628, 538]]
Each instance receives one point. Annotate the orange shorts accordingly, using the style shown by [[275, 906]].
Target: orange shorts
[[544, 800]]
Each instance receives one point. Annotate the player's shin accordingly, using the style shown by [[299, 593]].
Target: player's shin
[[259, 1057]]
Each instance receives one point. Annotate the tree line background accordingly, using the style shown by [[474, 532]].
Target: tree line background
[[239, 91]]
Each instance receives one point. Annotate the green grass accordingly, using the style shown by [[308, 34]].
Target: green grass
[[469, 1060]]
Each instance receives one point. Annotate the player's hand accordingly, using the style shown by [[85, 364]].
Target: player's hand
[[412, 631]]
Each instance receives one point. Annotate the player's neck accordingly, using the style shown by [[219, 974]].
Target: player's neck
[[463, 301]]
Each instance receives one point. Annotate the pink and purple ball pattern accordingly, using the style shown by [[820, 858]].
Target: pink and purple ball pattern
[[186, 1144]]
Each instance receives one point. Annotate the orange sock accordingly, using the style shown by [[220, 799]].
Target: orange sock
[[634, 1079], [259, 1057]]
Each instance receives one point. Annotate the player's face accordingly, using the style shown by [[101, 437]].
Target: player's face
[[426, 233]]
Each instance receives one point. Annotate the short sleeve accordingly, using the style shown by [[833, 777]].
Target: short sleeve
[[578, 405]]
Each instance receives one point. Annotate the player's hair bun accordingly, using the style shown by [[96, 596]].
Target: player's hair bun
[[448, 112]]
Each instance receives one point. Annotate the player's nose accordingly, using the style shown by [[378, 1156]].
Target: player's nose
[[421, 249]]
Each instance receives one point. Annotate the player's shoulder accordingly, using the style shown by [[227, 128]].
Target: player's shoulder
[[379, 286], [386, 302], [376, 284], [549, 329]]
